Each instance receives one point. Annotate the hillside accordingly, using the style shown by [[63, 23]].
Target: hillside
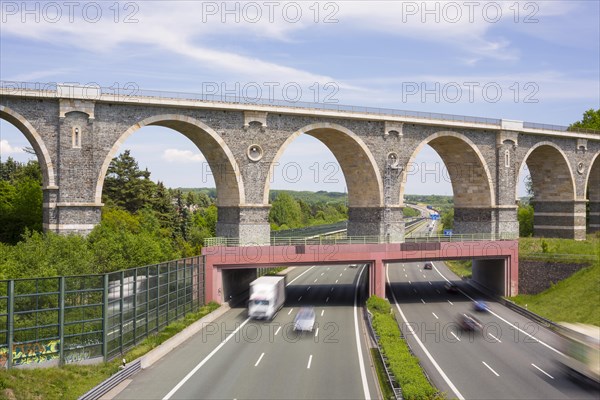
[[575, 299]]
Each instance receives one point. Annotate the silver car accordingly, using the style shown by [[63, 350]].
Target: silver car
[[305, 319]]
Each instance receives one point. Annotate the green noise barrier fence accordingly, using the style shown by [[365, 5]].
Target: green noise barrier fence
[[74, 319]]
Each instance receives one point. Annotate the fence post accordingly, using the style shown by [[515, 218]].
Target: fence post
[[61, 320], [147, 298], [105, 319], [176, 289], [135, 279], [122, 276], [168, 291], [11, 321]]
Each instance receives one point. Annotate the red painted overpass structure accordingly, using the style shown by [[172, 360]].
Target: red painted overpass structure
[[495, 263]]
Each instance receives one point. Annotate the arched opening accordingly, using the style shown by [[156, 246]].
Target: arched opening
[[593, 196], [552, 191], [449, 163], [184, 176], [23, 175], [329, 157]]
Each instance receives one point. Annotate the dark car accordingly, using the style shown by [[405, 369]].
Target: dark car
[[451, 287], [428, 265], [467, 322]]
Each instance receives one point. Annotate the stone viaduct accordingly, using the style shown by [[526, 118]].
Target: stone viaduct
[[76, 131]]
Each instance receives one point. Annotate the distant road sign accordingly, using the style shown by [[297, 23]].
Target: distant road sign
[[447, 232]]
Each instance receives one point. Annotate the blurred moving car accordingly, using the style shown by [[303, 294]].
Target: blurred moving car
[[305, 319], [353, 265], [467, 322], [480, 306], [428, 265], [580, 344], [451, 287]]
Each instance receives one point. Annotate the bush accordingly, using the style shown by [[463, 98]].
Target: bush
[[378, 305]]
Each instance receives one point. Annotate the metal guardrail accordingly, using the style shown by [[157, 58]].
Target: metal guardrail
[[132, 93], [296, 241], [390, 376], [113, 381]]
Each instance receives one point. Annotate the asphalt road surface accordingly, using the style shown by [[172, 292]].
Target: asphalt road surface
[[236, 358], [511, 358]]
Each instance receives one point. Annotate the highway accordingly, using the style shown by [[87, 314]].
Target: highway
[[511, 358], [235, 358]]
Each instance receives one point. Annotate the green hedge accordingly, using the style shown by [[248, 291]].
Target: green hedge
[[403, 364]]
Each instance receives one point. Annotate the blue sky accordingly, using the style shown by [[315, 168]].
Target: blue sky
[[543, 56]]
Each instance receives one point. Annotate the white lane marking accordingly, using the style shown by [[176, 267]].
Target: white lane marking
[[299, 276], [415, 290], [361, 363], [291, 309], [316, 279], [317, 332], [490, 368], [332, 289], [299, 298], [308, 288], [495, 338], [327, 299], [405, 275], [259, 358], [204, 361], [412, 331], [451, 303], [454, 334], [424, 276], [340, 274], [436, 317], [336, 281], [422, 301], [438, 290], [345, 268], [322, 312], [542, 371], [409, 282], [277, 331], [323, 273], [328, 268], [503, 320], [430, 282], [309, 361]]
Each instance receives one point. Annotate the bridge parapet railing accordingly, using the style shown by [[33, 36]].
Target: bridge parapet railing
[[296, 241]]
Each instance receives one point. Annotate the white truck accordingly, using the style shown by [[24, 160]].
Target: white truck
[[581, 348], [267, 295]]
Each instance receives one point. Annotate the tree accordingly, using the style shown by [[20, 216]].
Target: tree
[[591, 120], [525, 218], [127, 186], [286, 210]]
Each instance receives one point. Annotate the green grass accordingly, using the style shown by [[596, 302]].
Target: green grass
[[384, 384], [71, 381], [552, 249], [403, 364], [461, 268], [575, 299]]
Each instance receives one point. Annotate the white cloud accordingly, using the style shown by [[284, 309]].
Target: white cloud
[[7, 149], [182, 156]]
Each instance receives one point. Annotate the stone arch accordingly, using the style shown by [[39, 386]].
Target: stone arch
[[547, 163], [230, 187], [36, 142], [593, 175], [468, 172], [365, 186]]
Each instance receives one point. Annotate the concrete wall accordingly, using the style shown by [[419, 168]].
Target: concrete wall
[[491, 274]]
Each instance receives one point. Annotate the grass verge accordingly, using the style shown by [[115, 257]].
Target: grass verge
[[384, 384], [461, 268], [574, 299], [71, 381], [403, 364], [554, 249]]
